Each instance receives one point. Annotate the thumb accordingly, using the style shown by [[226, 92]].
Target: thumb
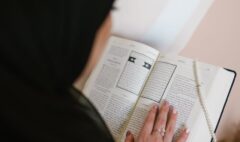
[[129, 137]]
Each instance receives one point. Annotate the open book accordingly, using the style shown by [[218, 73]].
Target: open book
[[131, 76]]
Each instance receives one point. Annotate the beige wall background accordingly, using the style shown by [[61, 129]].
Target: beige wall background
[[217, 41]]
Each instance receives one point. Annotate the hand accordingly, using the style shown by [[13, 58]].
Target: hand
[[154, 126]]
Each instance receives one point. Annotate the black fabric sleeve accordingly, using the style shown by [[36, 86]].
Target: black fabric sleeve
[[36, 116]]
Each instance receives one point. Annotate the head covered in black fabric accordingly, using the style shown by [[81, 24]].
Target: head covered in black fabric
[[46, 43]]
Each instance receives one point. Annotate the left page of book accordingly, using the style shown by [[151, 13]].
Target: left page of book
[[115, 84]]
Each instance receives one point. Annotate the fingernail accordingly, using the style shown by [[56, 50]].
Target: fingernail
[[166, 102], [154, 107], [187, 130], [128, 133], [174, 111]]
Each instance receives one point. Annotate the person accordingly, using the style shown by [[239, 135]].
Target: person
[[45, 46]]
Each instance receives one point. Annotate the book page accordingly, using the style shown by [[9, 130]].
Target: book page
[[216, 98], [172, 79], [116, 83]]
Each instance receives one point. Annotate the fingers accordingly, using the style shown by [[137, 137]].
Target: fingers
[[155, 124], [129, 137], [183, 136], [171, 123], [162, 117], [149, 122]]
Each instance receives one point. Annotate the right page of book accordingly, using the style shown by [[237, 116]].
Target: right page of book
[[173, 79]]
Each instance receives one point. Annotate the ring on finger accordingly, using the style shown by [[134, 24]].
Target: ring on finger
[[161, 131]]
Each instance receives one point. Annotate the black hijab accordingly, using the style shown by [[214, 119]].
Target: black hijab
[[47, 42], [44, 46]]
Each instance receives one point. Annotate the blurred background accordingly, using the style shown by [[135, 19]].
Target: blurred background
[[217, 41]]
